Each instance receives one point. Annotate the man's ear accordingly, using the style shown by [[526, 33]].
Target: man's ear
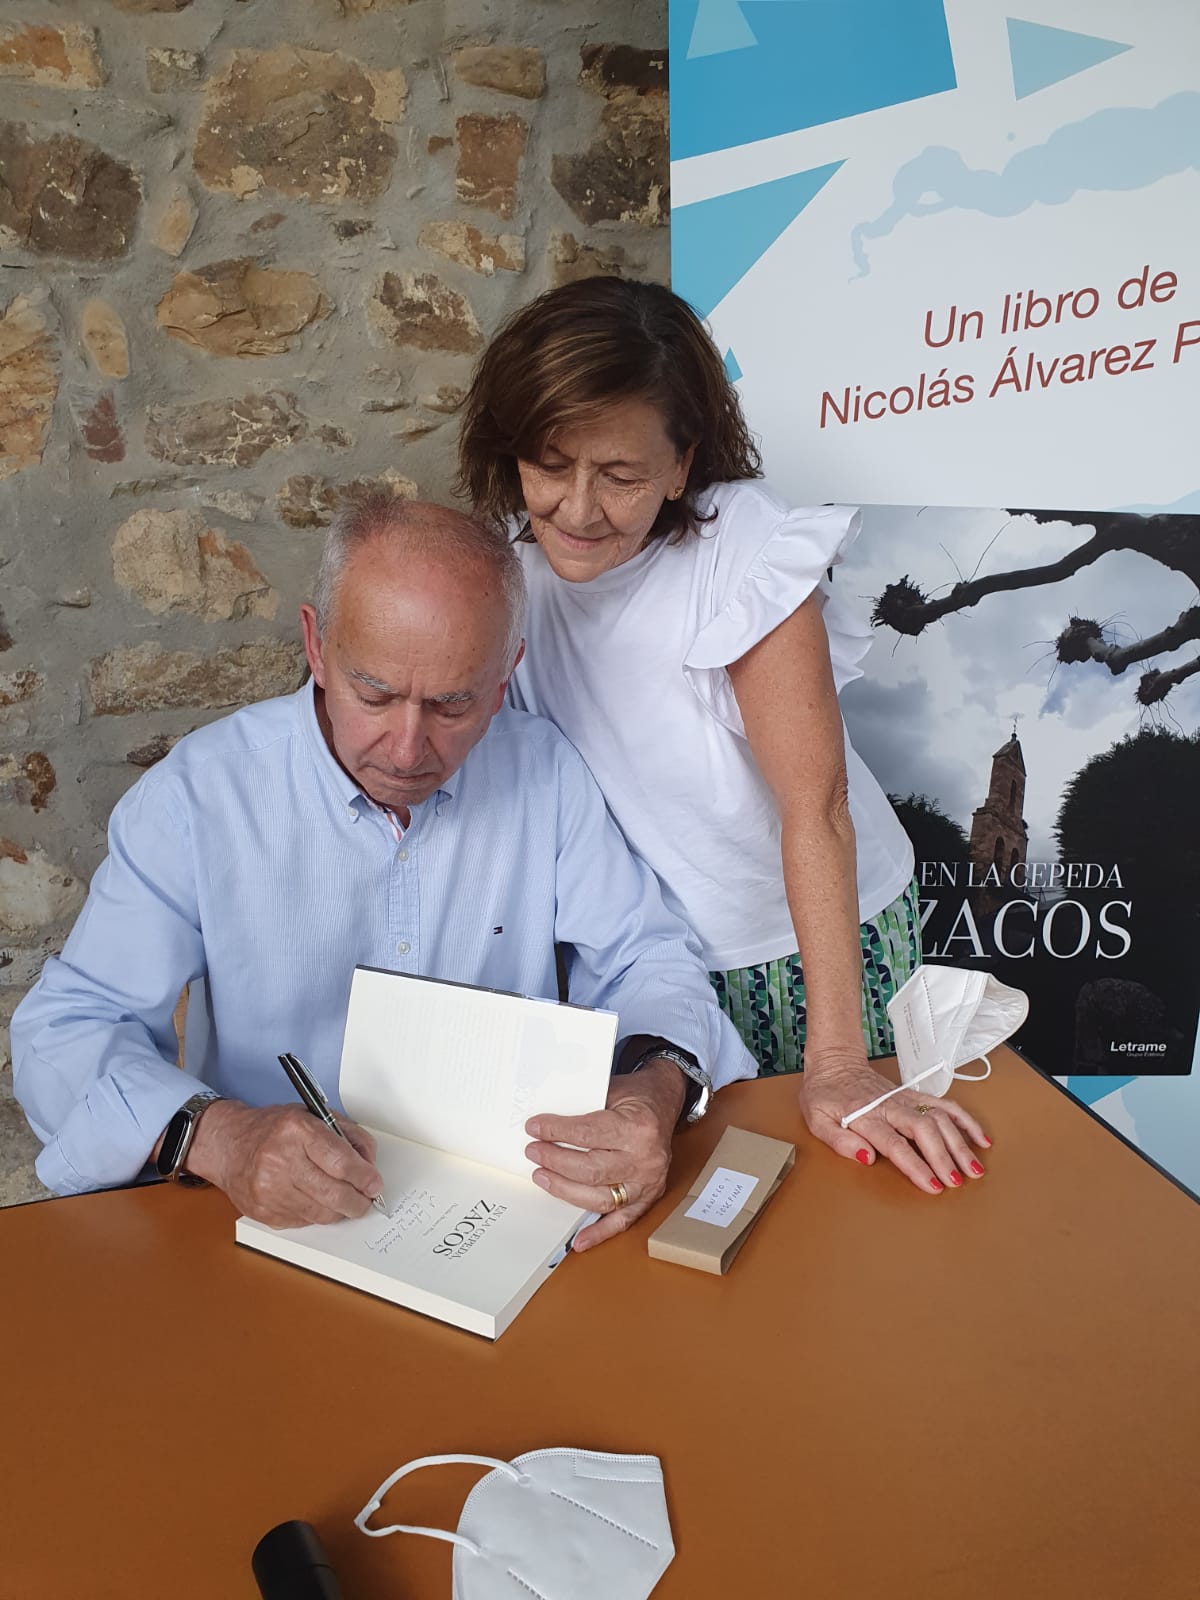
[[312, 644]]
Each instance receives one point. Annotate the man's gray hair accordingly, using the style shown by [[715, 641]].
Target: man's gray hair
[[419, 528]]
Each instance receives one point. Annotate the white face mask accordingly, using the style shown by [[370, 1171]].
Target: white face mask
[[559, 1524], [944, 1018]]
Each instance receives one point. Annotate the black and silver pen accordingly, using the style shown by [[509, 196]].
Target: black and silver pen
[[310, 1091]]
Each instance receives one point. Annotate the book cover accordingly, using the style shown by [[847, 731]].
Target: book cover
[[445, 1076], [1031, 704]]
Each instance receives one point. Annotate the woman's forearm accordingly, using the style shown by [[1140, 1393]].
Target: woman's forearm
[[820, 875]]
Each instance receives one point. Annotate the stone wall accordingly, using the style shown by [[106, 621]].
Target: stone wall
[[248, 254]]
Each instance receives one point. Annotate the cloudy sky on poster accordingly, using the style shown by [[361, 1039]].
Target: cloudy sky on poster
[[930, 711]]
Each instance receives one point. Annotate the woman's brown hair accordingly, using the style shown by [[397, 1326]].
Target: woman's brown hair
[[574, 352]]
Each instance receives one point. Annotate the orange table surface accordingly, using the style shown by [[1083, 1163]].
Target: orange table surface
[[993, 1392]]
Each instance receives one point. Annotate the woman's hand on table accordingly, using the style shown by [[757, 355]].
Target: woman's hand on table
[[626, 1146], [932, 1147]]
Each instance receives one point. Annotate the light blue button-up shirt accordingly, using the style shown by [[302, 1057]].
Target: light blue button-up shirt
[[248, 864]]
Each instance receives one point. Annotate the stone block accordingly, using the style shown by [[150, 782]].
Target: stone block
[[231, 433], [104, 338], [446, 398], [27, 780], [235, 503], [570, 260], [28, 383], [168, 70], [101, 430], [175, 219], [35, 891], [309, 501], [482, 252], [19, 686], [145, 677], [64, 58], [154, 749], [615, 69], [240, 308], [171, 561], [309, 123], [63, 196], [425, 313], [509, 69], [490, 150], [623, 176]]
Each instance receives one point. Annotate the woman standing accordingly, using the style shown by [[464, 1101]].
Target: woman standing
[[683, 635]]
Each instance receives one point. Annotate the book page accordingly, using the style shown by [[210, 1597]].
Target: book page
[[462, 1069], [460, 1234]]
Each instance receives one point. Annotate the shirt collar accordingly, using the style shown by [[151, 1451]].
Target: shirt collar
[[343, 785]]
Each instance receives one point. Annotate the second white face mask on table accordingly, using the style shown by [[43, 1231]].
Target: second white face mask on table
[[559, 1524], [944, 1018]]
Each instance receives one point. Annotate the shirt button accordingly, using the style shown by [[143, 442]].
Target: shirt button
[[401, 855], [403, 947]]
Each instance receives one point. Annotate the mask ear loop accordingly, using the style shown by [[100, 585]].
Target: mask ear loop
[[975, 1077], [373, 1504], [938, 1066]]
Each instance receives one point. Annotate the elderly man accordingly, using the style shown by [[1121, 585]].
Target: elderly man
[[391, 814]]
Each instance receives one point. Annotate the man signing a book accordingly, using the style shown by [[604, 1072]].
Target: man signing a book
[[393, 813]]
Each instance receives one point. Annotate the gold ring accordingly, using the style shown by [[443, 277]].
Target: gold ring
[[922, 1110], [620, 1195]]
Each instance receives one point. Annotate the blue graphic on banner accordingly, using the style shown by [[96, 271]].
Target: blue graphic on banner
[[743, 70], [732, 371], [1042, 56], [1089, 1090], [720, 26], [714, 243], [1121, 147]]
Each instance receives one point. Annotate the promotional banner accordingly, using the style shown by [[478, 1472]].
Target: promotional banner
[[951, 248], [949, 251], [1044, 775]]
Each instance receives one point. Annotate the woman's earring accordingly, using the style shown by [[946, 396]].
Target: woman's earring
[[678, 495]]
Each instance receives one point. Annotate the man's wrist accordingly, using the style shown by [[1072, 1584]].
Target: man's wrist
[[661, 1084], [206, 1153], [697, 1086]]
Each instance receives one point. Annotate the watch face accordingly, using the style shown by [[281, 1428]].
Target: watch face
[[172, 1146]]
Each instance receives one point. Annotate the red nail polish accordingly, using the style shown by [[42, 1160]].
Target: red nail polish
[[938, 1186], [977, 1169], [987, 1141], [864, 1156], [956, 1179]]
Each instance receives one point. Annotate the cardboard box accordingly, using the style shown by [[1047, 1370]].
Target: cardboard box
[[707, 1230]]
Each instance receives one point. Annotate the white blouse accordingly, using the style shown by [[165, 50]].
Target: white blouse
[[632, 667]]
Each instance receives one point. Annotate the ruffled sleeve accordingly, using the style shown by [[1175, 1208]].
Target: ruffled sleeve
[[748, 601]]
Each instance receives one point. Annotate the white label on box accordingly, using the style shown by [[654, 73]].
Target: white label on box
[[722, 1197]]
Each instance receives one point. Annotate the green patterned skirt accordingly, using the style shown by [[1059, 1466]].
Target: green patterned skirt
[[766, 1003]]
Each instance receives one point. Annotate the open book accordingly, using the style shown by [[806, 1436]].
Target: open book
[[445, 1076]]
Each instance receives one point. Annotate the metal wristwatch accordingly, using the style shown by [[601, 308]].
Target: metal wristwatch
[[177, 1140], [699, 1091]]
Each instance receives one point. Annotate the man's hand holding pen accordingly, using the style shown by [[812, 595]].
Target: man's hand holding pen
[[284, 1167]]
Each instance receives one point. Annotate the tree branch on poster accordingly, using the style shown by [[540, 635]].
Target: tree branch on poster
[[1172, 541]]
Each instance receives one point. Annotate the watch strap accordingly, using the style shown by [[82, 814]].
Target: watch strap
[[192, 1109], [699, 1085]]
